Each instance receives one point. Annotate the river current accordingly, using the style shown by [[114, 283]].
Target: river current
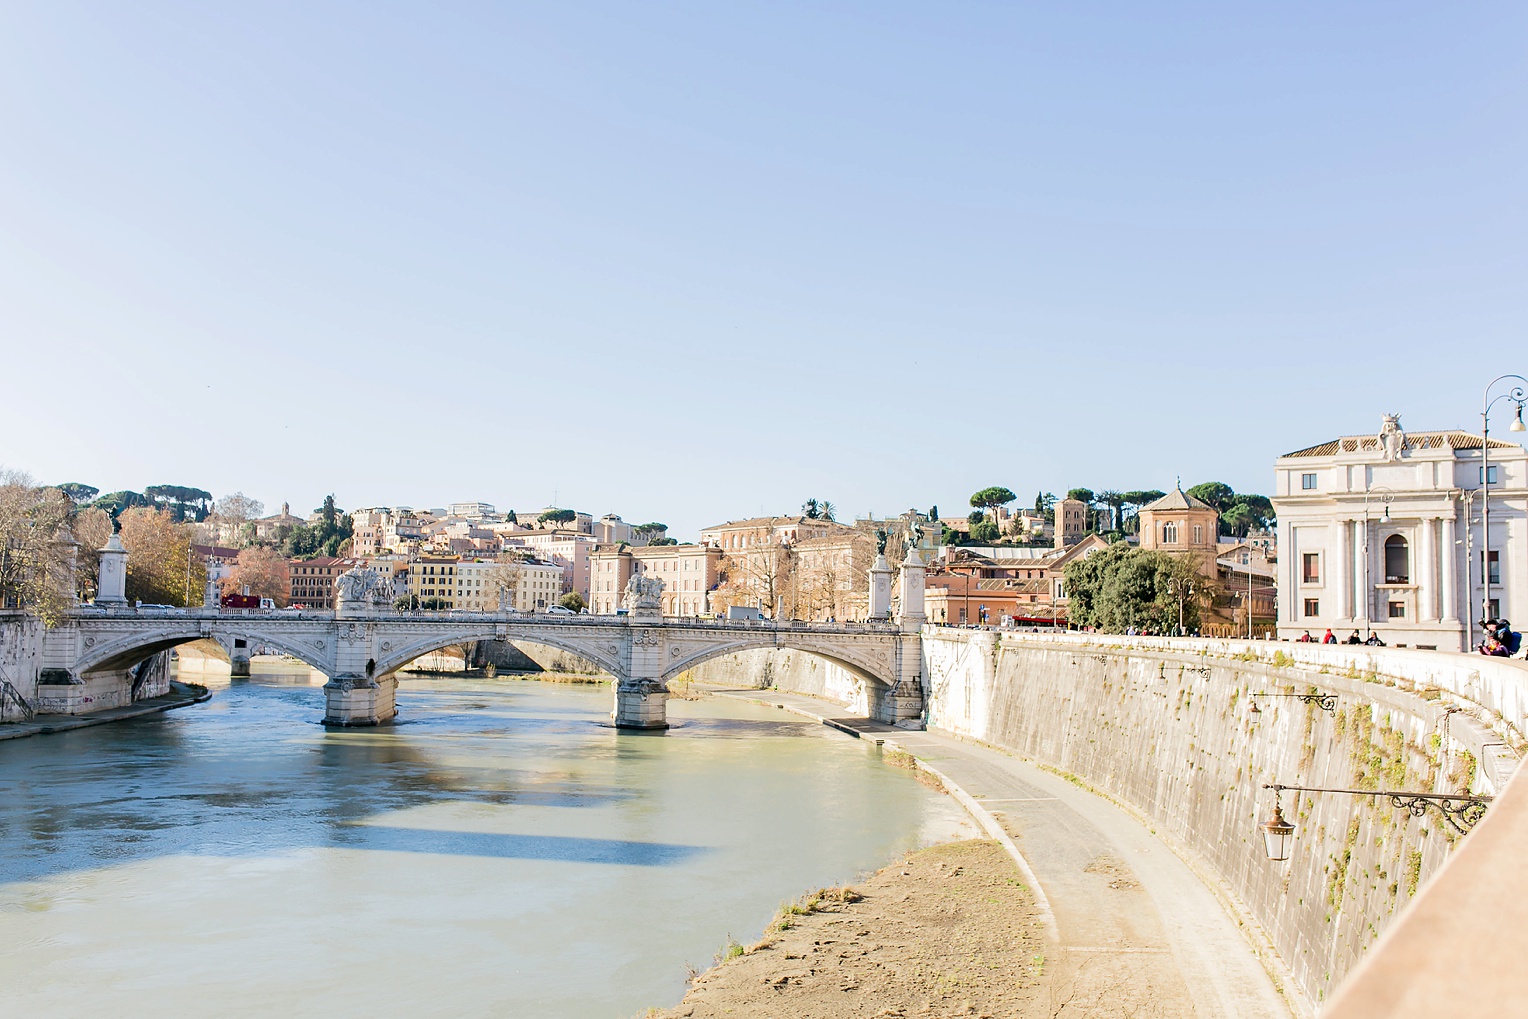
[[501, 852]]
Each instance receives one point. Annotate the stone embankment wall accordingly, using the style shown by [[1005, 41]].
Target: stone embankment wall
[[21, 650], [796, 671], [29, 686], [1167, 729], [540, 656]]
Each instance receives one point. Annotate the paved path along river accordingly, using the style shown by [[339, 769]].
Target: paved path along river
[[1130, 916]]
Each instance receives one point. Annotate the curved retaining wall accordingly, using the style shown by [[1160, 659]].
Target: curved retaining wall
[[1165, 728]]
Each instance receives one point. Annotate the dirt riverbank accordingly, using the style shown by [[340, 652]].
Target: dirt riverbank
[[949, 931]]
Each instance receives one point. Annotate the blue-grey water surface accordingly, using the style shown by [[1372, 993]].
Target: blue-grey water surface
[[500, 853]]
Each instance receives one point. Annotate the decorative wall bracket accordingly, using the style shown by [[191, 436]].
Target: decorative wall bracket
[[1460, 810]]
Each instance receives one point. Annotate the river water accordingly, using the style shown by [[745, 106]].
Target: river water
[[501, 852]]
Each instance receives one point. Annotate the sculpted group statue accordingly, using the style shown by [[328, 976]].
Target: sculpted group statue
[[914, 535], [643, 593], [882, 536], [362, 584], [1392, 440]]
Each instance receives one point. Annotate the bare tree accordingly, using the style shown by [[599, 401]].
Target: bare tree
[[160, 566], [264, 572], [761, 573], [36, 547], [505, 578]]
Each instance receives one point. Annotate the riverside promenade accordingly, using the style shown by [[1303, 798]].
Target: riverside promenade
[[181, 695], [1131, 924]]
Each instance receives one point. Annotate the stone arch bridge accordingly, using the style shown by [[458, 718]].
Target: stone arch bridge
[[94, 655]]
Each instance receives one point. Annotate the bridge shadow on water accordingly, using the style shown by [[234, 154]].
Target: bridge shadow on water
[[562, 848], [247, 777]]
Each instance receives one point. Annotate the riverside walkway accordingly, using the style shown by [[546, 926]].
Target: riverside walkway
[[1134, 928]]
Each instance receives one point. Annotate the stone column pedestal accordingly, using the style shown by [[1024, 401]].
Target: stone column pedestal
[[111, 582], [358, 701], [911, 590], [880, 588]]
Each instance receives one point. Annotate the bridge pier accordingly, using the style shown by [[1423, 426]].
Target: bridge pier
[[641, 705], [360, 700]]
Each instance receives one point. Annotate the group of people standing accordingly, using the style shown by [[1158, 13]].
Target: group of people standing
[[1501, 640], [1331, 638]]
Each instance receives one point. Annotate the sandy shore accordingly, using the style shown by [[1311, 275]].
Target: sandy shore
[[949, 931]]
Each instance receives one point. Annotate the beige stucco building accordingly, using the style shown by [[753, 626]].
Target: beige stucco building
[[1385, 532], [531, 585]]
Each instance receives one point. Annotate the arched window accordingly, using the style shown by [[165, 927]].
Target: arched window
[[1397, 560]]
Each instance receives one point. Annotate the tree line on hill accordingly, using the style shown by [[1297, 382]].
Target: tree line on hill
[[1113, 514]]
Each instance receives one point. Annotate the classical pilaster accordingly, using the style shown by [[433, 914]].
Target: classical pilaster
[[1451, 556], [1342, 569], [1362, 576], [1427, 589]]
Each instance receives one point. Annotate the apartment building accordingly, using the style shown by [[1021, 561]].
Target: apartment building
[[313, 580], [689, 573], [532, 585], [568, 549]]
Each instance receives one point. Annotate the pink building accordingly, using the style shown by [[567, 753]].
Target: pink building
[[568, 549]]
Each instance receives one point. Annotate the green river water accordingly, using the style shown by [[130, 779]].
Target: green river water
[[501, 852]]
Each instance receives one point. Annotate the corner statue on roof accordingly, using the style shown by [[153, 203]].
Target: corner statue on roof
[[1392, 440]]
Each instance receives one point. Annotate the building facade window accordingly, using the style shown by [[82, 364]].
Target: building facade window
[[1397, 610], [1170, 533], [1488, 475], [1198, 534], [1493, 568], [1310, 571], [1312, 607], [1308, 482], [1397, 560]]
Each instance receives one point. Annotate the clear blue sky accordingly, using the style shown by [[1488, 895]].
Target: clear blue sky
[[688, 261]]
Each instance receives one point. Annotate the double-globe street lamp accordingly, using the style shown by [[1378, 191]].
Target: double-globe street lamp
[[1518, 396]]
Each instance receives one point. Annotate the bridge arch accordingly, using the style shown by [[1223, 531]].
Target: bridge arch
[[605, 654], [873, 665], [127, 651]]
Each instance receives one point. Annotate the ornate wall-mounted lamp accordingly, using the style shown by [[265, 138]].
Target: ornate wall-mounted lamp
[[1325, 701], [1461, 811], [1278, 834]]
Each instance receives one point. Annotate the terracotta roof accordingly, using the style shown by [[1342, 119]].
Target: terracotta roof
[[1177, 499], [1414, 440]]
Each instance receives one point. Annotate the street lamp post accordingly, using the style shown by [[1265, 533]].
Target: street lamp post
[[1467, 497], [1369, 587], [1518, 396], [1181, 590]]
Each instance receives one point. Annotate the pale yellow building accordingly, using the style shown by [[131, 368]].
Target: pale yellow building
[[531, 584]]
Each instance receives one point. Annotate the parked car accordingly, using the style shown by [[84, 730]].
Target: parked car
[[558, 610]]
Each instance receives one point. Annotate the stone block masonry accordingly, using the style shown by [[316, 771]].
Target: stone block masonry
[[1166, 729]]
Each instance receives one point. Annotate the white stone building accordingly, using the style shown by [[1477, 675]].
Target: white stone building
[[1384, 532]]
